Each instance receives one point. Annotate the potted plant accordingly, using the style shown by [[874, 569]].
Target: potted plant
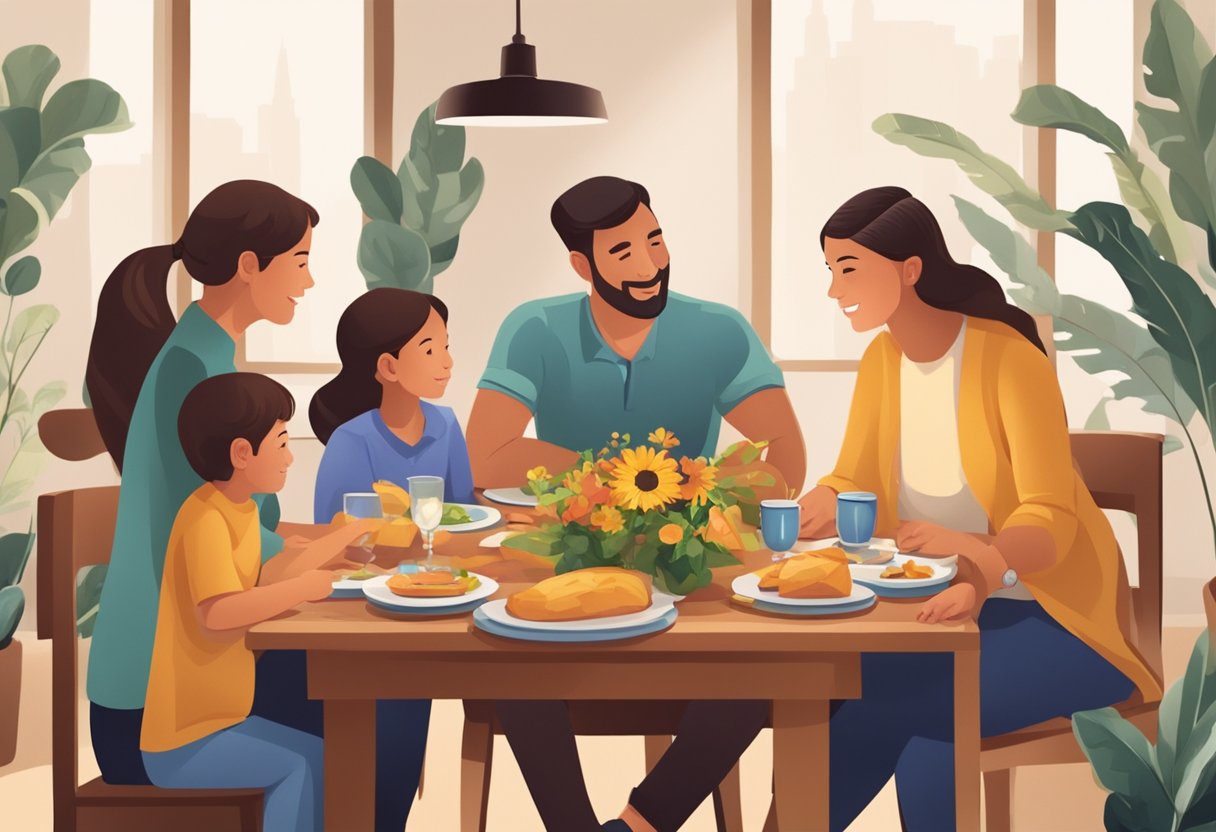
[[1169, 366], [416, 214], [42, 157]]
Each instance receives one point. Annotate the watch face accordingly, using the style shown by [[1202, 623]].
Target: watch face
[[1009, 578]]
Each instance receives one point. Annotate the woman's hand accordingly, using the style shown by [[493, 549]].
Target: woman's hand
[[951, 604], [315, 585], [818, 512], [931, 540]]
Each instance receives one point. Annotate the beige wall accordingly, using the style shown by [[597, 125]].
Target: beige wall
[[668, 72]]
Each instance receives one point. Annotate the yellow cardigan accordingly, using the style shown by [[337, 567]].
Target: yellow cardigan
[[1013, 439]]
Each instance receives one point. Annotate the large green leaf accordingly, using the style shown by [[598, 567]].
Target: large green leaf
[[21, 277], [1099, 339], [1047, 105], [1182, 708], [21, 222], [28, 71], [1195, 765], [1180, 317], [47, 397], [79, 108], [377, 189], [990, 174], [1124, 763], [89, 582], [14, 555], [391, 255], [1176, 56], [412, 185], [29, 328], [20, 144], [443, 143], [12, 605], [51, 178]]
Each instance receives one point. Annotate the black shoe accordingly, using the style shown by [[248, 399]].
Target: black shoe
[[617, 825]]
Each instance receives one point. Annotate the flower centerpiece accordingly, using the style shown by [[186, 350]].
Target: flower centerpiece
[[639, 507]]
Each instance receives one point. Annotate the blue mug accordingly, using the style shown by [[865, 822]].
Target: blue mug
[[780, 521], [856, 515]]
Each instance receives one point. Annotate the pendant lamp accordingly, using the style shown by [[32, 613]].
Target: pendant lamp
[[519, 98]]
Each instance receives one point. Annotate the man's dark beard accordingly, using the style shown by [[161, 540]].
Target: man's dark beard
[[621, 299]]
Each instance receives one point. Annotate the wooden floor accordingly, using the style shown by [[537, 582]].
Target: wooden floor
[[1056, 799]]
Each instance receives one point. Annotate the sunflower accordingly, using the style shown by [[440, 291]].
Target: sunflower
[[645, 479], [663, 438], [608, 519], [699, 479]]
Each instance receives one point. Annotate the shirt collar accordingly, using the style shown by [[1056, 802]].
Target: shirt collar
[[595, 348], [199, 331], [433, 429]]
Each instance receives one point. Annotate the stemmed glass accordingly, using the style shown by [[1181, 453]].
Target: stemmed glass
[[780, 521], [426, 509], [363, 506]]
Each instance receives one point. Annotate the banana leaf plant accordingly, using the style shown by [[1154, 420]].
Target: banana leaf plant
[[42, 157], [416, 214]]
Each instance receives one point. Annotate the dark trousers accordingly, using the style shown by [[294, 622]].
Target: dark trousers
[[281, 696], [709, 740]]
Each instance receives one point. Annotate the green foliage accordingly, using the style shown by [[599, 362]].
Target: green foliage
[[1169, 786], [89, 582], [12, 606], [416, 213]]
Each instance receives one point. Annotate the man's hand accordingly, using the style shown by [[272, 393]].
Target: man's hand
[[951, 604], [931, 540], [818, 512]]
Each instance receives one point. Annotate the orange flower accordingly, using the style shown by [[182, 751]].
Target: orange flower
[[608, 519], [578, 508], [700, 479], [549, 511], [591, 488], [671, 534], [663, 438], [723, 527]]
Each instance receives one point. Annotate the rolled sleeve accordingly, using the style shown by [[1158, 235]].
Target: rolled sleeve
[[755, 371], [516, 365], [208, 558]]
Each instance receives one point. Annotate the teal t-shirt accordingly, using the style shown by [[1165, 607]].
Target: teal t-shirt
[[699, 361], [156, 480]]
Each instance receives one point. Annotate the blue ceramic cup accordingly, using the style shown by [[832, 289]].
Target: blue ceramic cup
[[780, 521], [856, 514]]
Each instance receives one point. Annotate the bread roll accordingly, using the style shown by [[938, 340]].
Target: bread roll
[[584, 593], [815, 577]]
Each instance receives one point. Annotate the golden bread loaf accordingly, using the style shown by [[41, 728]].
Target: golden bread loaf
[[584, 593]]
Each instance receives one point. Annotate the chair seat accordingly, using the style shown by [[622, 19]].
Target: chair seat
[[1052, 742], [99, 793]]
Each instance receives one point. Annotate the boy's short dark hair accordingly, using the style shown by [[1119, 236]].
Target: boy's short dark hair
[[225, 408], [593, 205]]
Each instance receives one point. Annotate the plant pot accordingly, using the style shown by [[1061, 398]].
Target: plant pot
[[10, 700]]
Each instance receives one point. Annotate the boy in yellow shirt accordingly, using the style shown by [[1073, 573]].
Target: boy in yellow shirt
[[197, 729]]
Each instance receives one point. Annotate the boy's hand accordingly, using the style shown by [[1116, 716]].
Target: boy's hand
[[315, 585], [951, 604]]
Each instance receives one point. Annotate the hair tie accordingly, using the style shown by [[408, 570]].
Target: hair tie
[[177, 250]]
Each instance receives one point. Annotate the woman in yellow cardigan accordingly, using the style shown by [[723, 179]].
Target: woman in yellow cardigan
[[958, 426]]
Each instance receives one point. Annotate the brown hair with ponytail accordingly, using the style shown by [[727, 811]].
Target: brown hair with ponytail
[[378, 322], [134, 318], [892, 223]]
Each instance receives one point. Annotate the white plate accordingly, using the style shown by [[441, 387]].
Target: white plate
[[376, 590], [511, 497], [660, 603], [346, 588], [749, 587], [495, 540], [943, 573], [482, 517]]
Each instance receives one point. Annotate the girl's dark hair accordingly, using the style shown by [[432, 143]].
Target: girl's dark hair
[[223, 409], [891, 222], [133, 314], [380, 321], [592, 205]]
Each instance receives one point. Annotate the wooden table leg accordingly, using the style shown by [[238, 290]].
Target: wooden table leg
[[350, 765], [800, 764], [967, 740]]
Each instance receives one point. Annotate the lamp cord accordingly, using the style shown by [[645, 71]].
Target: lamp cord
[[518, 33]]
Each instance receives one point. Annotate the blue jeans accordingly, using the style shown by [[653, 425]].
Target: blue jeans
[[254, 754], [1031, 670]]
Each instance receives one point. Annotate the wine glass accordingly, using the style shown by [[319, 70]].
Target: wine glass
[[780, 521], [426, 509], [363, 506]]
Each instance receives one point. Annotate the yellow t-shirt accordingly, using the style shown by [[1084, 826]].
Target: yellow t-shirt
[[201, 681]]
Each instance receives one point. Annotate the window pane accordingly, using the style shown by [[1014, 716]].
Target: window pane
[[276, 93], [838, 65]]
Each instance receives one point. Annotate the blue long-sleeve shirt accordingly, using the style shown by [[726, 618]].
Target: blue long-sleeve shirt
[[364, 450]]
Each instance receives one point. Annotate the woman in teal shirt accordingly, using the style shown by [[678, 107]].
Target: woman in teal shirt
[[248, 243]]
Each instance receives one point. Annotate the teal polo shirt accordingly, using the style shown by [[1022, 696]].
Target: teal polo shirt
[[699, 361], [156, 480]]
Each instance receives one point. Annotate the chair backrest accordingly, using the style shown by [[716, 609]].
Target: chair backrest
[[75, 530], [1123, 472]]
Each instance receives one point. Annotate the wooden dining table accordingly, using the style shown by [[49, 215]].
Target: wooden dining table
[[717, 649]]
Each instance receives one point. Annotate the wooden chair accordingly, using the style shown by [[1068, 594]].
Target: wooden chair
[[75, 530], [1123, 472], [656, 721]]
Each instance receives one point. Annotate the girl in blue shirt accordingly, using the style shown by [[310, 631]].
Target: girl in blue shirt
[[372, 418]]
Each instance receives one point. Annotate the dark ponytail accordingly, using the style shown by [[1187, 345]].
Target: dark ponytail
[[134, 318], [894, 224], [378, 322]]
